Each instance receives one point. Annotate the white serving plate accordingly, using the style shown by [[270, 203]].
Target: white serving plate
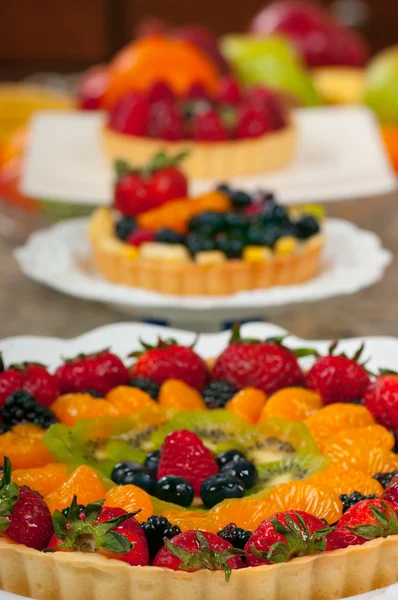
[[340, 155], [60, 258], [123, 337]]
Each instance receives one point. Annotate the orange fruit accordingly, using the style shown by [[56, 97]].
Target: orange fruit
[[189, 519], [83, 483], [390, 137], [131, 498], [328, 421], [128, 400], [248, 404], [158, 58], [294, 403], [358, 453], [28, 430], [346, 481], [373, 435], [174, 393], [70, 408], [241, 512], [42, 479], [26, 450]]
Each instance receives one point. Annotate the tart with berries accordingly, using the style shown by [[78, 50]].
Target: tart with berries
[[228, 133], [157, 238], [246, 476]]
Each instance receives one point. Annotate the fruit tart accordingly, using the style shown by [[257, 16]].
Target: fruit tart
[[227, 241], [229, 132], [241, 476]]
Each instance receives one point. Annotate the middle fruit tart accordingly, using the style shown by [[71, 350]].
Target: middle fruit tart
[[244, 463], [223, 242]]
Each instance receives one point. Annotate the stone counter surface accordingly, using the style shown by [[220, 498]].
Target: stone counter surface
[[29, 308]]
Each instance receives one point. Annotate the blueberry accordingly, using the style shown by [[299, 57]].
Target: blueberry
[[277, 215], [306, 227], [219, 487], [168, 236], [142, 478], [147, 385], [240, 199], [125, 227], [264, 236], [231, 247], [197, 242], [225, 189], [152, 461], [229, 456], [121, 468], [207, 222], [243, 470], [235, 221], [171, 488]]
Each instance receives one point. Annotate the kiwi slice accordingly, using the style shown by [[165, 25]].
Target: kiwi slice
[[297, 466], [218, 429]]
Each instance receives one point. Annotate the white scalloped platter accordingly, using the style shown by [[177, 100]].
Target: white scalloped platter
[[123, 337], [60, 258]]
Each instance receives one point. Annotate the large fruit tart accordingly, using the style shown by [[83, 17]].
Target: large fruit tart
[[243, 475], [157, 238]]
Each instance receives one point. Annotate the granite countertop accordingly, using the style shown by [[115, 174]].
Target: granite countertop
[[30, 308]]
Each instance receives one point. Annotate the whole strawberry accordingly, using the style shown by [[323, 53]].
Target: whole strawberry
[[109, 531], [268, 365], [195, 550], [381, 398], [391, 491], [24, 516], [184, 454], [338, 378], [366, 521], [285, 536], [11, 380], [139, 190], [100, 372], [30, 377], [169, 360]]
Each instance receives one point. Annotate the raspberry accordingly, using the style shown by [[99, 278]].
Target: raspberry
[[229, 92], [139, 236], [208, 127], [166, 123], [21, 407], [130, 115], [159, 92], [184, 454], [252, 122]]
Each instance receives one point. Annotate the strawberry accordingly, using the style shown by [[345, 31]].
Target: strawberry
[[366, 521], [252, 122], [338, 378], [285, 536], [166, 121], [169, 360], [207, 126], [159, 91], [229, 91], [31, 377], [130, 115], [100, 372], [391, 491], [381, 398], [139, 190], [184, 454], [109, 531], [24, 516], [11, 380], [194, 550], [267, 365]]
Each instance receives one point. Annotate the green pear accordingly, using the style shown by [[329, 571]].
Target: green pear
[[382, 86], [270, 61]]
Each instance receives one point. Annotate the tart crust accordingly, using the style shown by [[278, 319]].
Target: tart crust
[[328, 576], [219, 160], [113, 260]]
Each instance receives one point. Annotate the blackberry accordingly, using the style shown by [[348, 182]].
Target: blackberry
[[125, 227], [156, 529], [349, 500], [146, 385], [21, 407], [3, 428], [168, 236], [385, 478], [235, 535], [65, 511], [218, 392]]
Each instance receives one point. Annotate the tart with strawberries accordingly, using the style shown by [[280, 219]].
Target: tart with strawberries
[[236, 476], [158, 238]]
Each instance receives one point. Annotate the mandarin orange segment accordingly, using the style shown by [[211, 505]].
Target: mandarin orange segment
[[70, 408], [176, 214], [132, 499], [248, 404], [28, 430], [346, 481], [128, 400], [42, 479], [24, 451], [329, 420], [294, 403], [360, 455], [241, 512], [174, 393], [373, 435], [83, 483], [188, 520]]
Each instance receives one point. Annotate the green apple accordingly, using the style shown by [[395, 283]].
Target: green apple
[[382, 86], [271, 61]]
